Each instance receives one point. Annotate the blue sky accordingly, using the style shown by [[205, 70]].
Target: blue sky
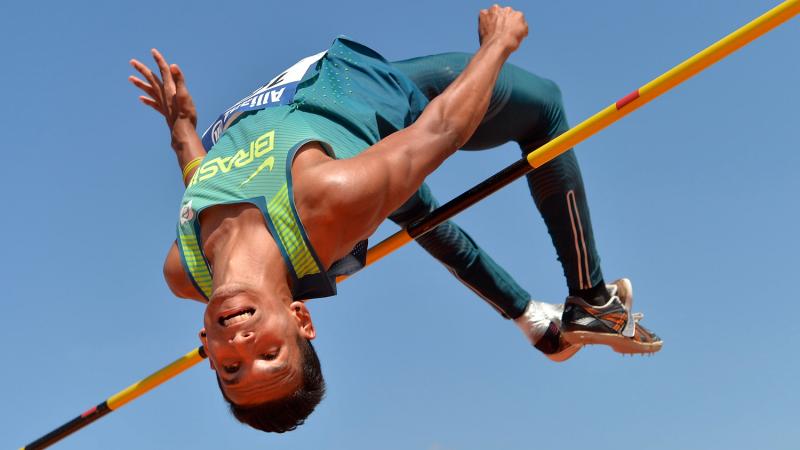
[[692, 197]]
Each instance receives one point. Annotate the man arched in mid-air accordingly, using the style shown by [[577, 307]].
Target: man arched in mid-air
[[302, 171]]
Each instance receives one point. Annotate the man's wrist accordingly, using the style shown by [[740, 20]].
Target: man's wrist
[[184, 136], [501, 44]]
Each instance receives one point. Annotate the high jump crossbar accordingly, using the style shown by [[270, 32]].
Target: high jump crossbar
[[612, 113]]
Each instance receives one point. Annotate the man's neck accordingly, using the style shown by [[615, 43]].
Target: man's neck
[[242, 253]]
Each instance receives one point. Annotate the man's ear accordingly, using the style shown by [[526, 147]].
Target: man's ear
[[204, 341], [303, 318]]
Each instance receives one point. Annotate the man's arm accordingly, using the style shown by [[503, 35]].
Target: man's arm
[[176, 278], [344, 201], [170, 97]]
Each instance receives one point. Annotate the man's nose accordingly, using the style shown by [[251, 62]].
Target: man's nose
[[242, 337]]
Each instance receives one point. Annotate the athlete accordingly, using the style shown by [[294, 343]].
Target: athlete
[[286, 186]]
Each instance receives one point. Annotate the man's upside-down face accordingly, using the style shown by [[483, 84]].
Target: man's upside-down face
[[252, 344]]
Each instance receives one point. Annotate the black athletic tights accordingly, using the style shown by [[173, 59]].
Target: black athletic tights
[[526, 109]]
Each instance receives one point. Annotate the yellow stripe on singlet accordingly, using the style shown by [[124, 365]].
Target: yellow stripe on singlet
[[290, 235], [196, 263]]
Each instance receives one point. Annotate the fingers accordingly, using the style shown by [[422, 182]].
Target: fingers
[[177, 76], [152, 88], [158, 90], [161, 63], [494, 9], [148, 101], [181, 91], [155, 83], [166, 75], [151, 103], [502, 22], [184, 99], [146, 87], [497, 9], [145, 71]]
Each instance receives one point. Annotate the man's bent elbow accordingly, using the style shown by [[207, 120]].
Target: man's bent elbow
[[176, 278], [173, 282]]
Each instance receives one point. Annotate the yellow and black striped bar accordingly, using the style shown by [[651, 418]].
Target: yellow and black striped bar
[[119, 399], [70, 427], [537, 158]]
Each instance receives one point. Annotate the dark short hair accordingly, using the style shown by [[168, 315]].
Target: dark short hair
[[286, 414]]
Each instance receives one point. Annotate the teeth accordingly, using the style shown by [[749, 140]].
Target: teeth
[[237, 318]]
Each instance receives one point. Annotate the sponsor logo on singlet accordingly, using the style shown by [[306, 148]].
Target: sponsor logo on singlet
[[279, 91]]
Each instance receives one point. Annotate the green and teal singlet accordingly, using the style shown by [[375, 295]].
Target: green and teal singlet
[[347, 98]]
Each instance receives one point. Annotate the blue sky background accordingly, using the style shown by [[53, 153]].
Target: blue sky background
[[693, 197]]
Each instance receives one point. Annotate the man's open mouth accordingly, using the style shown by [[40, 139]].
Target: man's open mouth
[[237, 316]]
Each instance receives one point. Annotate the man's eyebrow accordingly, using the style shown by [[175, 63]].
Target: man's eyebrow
[[278, 367], [275, 369]]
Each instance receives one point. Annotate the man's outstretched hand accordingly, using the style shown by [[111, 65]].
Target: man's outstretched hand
[[169, 96], [502, 24]]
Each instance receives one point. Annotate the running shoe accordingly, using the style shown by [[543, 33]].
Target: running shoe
[[644, 337], [541, 324], [612, 324]]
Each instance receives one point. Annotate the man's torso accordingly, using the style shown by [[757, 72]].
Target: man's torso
[[346, 99]]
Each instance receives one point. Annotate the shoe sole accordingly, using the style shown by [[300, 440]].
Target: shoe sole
[[565, 354], [617, 342]]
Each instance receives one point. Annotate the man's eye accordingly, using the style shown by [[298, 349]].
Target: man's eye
[[270, 356], [231, 369]]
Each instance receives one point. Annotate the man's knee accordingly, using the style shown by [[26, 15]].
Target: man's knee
[[556, 114]]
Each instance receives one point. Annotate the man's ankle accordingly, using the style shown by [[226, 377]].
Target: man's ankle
[[595, 296]]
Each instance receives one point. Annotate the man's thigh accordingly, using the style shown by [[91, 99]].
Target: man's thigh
[[524, 107]]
